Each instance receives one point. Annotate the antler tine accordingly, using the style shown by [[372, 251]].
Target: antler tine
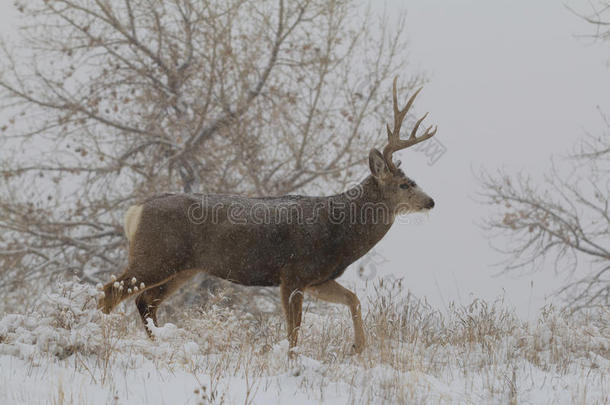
[[399, 115], [394, 141], [416, 127], [428, 134]]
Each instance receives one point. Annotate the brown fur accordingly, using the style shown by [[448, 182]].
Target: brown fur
[[304, 250], [295, 242]]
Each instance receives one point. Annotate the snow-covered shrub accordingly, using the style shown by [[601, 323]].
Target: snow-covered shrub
[[64, 321], [480, 353]]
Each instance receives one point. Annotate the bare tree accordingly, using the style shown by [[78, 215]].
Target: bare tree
[[566, 220], [107, 101], [598, 16]]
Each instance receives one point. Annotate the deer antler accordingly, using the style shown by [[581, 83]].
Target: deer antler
[[394, 141]]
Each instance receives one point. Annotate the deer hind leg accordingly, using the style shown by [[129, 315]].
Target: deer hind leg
[[134, 280], [292, 301], [149, 301], [331, 291], [116, 291]]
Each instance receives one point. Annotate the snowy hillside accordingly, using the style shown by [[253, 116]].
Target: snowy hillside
[[64, 351]]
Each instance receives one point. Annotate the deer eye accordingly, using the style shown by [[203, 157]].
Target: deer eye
[[405, 186]]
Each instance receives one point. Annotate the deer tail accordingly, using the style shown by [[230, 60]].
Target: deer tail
[[132, 219]]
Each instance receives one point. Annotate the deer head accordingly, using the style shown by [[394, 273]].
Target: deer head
[[396, 188]]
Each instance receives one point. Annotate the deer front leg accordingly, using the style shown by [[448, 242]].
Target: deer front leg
[[149, 301], [292, 301], [331, 291]]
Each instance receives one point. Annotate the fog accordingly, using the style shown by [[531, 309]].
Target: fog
[[510, 84]]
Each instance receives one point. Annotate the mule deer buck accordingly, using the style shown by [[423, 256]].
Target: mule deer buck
[[301, 244]]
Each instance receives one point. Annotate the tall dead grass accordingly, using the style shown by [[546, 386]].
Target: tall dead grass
[[413, 349]]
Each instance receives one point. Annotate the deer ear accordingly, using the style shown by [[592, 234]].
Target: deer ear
[[379, 168]]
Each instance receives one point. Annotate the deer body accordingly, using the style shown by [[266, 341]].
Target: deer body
[[269, 238], [299, 243]]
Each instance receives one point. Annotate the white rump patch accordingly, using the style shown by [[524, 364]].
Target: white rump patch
[[132, 219]]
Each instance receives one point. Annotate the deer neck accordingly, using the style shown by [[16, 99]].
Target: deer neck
[[369, 215]]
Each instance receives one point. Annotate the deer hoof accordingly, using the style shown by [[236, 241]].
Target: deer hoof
[[357, 349]]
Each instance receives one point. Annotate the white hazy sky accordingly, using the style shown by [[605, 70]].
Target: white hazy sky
[[510, 85], [511, 82]]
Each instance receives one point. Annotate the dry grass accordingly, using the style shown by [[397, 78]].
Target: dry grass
[[478, 353]]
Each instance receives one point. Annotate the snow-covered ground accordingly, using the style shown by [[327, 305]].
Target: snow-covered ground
[[63, 351]]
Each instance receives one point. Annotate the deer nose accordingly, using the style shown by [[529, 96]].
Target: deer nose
[[430, 204]]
